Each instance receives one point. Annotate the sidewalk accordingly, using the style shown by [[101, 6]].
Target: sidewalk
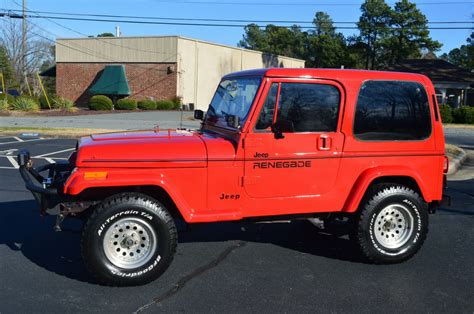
[[114, 121]]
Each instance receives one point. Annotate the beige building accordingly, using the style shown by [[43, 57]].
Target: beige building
[[158, 67]]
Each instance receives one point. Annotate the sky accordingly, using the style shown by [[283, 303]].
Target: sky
[[301, 10]]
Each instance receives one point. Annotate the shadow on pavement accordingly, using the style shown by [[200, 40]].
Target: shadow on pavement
[[298, 235], [21, 229]]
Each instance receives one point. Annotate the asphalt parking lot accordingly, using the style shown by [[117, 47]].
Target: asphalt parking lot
[[230, 267]]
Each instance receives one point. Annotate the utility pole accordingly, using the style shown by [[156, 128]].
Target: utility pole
[[23, 42]]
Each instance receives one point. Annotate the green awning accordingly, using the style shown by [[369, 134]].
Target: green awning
[[112, 81], [49, 72]]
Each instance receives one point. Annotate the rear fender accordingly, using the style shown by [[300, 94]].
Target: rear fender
[[77, 184], [367, 177]]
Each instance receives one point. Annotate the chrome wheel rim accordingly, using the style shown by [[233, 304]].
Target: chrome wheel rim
[[393, 226], [130, 243]]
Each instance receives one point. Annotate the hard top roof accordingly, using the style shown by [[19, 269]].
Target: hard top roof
[[330, 74]]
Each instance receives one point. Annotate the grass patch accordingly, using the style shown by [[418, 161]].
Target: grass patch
[[458, 126]]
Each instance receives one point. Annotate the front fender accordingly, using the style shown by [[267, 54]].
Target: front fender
[[368, 176], [184, 186]]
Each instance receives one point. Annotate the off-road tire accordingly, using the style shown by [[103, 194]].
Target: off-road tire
[[392, 224], [148, 240]]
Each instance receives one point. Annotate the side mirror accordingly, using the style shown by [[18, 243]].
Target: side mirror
[[282, 126], [233, 121], [198, 114]]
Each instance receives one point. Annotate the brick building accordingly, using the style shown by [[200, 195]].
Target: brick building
[[155, 67]]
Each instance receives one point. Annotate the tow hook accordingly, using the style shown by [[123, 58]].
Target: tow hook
[[69, 209]]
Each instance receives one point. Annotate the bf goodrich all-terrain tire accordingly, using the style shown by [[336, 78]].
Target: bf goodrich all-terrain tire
[[392, 224], [129, 239]]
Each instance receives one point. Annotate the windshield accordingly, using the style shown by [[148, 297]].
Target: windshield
[[233, 98]]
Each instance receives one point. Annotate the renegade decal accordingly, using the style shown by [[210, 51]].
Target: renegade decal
[[282, 164]]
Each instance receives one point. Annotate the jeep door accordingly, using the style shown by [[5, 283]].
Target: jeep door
[[302, 161]]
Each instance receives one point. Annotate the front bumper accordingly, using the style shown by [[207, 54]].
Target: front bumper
[[47, 191]]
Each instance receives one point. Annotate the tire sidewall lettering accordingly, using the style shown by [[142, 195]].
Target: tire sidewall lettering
[[111, 219], [138, 273]]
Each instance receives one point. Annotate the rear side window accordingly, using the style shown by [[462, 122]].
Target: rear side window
[[392, 111]]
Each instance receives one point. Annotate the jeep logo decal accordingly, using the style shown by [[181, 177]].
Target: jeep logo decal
[[229, 196], [260, 155]]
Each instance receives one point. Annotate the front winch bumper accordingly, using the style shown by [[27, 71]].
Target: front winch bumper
[[47, 191]]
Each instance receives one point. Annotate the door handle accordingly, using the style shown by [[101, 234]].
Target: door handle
[[324, 142]]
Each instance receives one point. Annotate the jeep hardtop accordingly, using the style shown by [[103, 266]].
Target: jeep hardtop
[[362, 149]]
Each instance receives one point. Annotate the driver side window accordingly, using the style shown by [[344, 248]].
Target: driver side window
[[307, 107]]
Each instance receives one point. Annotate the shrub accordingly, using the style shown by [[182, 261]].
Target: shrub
[[446, 113], [165, 105], [147, 104], [25, 103], [63, 104], [177, 102], [126, 104], [44, 104], [8, 97], [100, 102], [4, 106], [464, 115]]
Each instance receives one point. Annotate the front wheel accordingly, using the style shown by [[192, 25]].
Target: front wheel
[[129, 239], [392, 224]]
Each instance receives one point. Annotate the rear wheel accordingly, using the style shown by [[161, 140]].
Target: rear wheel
[[129, 239], [392, 224]]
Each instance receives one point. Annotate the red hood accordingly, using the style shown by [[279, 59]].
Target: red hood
[[142, 149], [151, 149]]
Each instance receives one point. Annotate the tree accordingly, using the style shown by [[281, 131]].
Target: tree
[[106, 35], [6, 69], [275, 40], [462, 56], [323, 24], [37, 48], [321, 47], [254, 38], [327, 48], [356, 52], [374, 26], [409, 34]]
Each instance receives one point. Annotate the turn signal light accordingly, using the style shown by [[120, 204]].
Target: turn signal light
[[100, 175], [446, 164]]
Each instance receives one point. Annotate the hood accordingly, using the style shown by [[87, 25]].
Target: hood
[[171, 148]]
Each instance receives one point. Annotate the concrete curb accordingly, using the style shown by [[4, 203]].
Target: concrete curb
[[456, 162]]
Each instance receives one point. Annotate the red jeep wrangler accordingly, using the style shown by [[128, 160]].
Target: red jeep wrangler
[[362, 147]]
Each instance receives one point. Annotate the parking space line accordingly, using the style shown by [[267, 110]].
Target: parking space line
[[24, 141], [53, 153], [8, 168], [18, 139], [50, 160], [12, 160]]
